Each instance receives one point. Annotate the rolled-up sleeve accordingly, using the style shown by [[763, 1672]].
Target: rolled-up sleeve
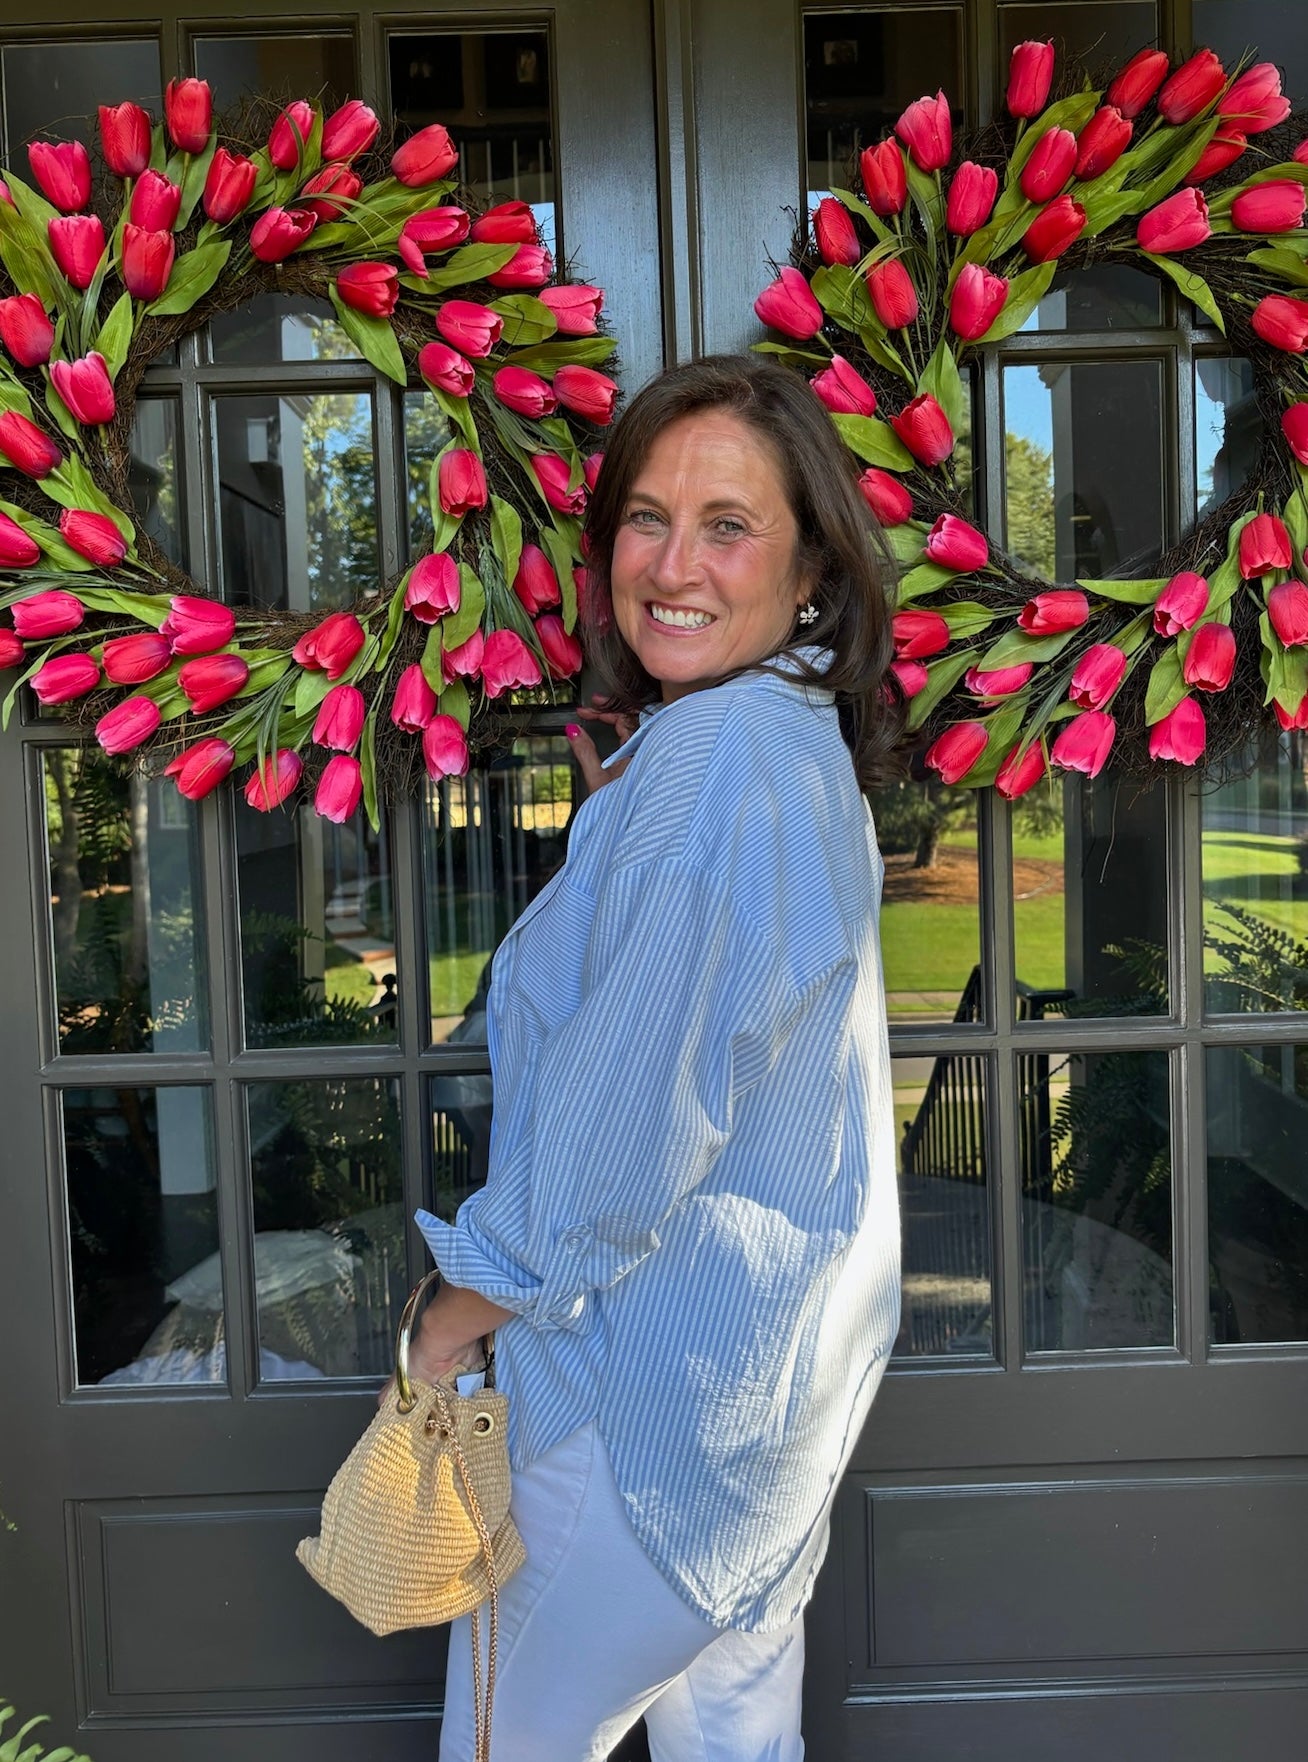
[[683, 1006]]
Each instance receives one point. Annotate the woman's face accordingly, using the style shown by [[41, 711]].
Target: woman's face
[[705, 573]]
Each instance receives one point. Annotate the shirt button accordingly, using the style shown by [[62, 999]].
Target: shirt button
[[573, 1240]]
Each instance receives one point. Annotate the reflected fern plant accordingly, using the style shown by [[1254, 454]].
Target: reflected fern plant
[[1263, 967], [285, 1006]]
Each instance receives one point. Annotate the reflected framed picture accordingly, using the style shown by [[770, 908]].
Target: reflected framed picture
[[426, 76], [517, 70], [844, 56]]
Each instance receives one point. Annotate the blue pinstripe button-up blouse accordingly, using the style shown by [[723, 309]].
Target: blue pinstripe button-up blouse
[[691, 1202]]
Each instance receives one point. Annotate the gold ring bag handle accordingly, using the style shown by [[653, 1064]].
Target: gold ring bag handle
[[416, 1528], [404, 1337]]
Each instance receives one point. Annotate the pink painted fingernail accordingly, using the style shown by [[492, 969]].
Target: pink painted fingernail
[[572, 731]]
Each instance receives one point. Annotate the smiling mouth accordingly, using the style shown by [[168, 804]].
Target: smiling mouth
[[676, 618]]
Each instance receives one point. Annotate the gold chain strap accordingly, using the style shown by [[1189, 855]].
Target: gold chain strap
[[482, 1703]]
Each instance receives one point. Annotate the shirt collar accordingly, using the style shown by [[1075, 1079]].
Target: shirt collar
[[812, 653]]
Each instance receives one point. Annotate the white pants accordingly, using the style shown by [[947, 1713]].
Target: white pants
[[592, 1636]]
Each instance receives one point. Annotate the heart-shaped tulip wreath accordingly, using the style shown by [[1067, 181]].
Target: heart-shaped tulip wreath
[[1189, 173], [106, 271]]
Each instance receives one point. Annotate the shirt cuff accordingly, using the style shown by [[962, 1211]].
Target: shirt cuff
[[467, 1257]]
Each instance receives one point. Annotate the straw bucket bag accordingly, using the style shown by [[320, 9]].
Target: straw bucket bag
[[415, 1525]]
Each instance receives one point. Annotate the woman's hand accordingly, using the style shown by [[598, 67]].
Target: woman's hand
[[584, 749], [449, 1336]]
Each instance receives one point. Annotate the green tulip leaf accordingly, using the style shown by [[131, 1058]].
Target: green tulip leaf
[[115, 335], [1002, 728], [547, 358], [459, 626], [1025, 292], [1167, 686], [926, 578], [193, 181], [906, 540], [942, 676], [1285, 671], [875, 442], [192, 277], [967, 618], [941, 379], [842, 294], [1193, 286], [374, 339], [1016, 646], [454, 701], [856, 205], [506, 536], [312, 687], [368, 768], [527, 320], [469, 263], [1130, 593]]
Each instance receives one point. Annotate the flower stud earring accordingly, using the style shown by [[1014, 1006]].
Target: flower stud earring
[[808, 614]]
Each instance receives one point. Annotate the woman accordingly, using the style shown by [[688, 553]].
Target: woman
[[688, 1241]]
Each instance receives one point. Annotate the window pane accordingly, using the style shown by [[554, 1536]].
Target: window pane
[[1258, 1193], [278, 327], [491, 89], [1084, 487], [930, 937], [1227, 429], [426, 431], [317, 929], [490, 841], [1100, 36], [461, 1122], [328, 1203], [940, 1119], [124, 886], [143, 1235], [1090, 899], [1105, 296], [861, 69], [318, 66], [1096, 1169], [297, 500], [54, 88], [1277, 29], [154, 478], [1255, 863]]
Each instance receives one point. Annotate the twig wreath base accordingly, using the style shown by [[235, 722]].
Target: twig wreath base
[[1190, 174], [106, 265]]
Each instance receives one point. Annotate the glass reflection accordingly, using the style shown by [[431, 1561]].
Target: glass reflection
[[940, 1119], [930, 935], [1258, 1193], [860, 70], [124, 886], [490, 841], [1104, 296], [1096, 1171], [52, 88], [143, 1235], [1279, 31], [461, 1122], [319, 66], [426, 431], [297, 499], [1090, 899], [1227, 429], [328, 1205], [1255, 869], [317, 929], [278, 327], [153, 479], [1084, 478], [1101, 37], [492, 91]]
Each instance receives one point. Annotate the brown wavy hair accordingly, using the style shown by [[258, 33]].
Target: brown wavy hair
[[840, 546]]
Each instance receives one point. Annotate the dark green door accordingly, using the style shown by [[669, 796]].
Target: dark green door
[[239, 1050]]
